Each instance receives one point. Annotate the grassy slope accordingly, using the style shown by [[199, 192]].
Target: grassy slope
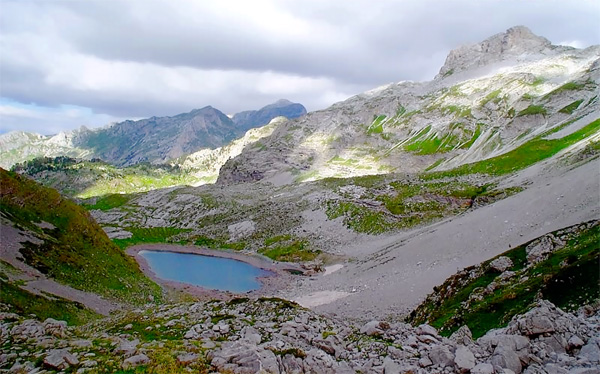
[[568, 277], [521, 157], [95, 178], [75, 251]]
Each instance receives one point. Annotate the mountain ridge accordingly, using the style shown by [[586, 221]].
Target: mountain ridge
[[154, 139]]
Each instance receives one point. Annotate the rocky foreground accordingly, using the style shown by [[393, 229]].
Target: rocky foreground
[[276, 336]]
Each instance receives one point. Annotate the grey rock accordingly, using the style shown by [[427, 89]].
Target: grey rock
[[464, 359], [187, 358], [127, 347], [591, 351], [441, 355], [536, 324], [591, 370], [55, 328], [135, 361], [505, 357], [425, 329], [575, 342], [462, 336], [60, 359], [28, 329], [483, 368], [501, 264], [374, 328], [390, 366]]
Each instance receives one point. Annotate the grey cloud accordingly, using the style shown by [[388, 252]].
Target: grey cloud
[[355, 46]]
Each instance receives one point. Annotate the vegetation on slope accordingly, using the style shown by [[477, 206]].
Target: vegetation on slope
[[519, 158], [74, 250], [83, 179], [23, 302], [482, 297], [385, 205]]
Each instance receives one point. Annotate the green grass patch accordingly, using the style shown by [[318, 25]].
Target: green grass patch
[[109, 202], [376, 126], [533, 110], [569, 109], [143, 235], [527, 154], [288, 249]]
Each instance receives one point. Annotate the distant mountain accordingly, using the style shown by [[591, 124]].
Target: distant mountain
[[155, 140], [254, 118]]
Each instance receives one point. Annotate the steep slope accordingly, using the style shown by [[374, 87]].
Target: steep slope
[[52, 246], [487, 100], [255, 118]]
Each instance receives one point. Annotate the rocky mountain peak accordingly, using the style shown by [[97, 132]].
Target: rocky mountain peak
[[514, 42]]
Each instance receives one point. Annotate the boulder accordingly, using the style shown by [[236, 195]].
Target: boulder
[[60, 359], [591, 351], [373, 328], [441, 355], [135, 361], [501, 264], [462, 336], [483, 368], [187, 358], [425, 329], [56, 328], [464, 359], [505, 357]]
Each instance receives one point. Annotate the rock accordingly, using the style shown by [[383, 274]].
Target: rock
[[127, 347], [55, 328], [372, 328], [187, 358], [135, 361], [584, 371], [462, 336], [483, 368], [505, 357], [554, 369], [539, 249], [536, 324], [81, 343], [575, 342], [441, 355], [60, 359], [591, 351], [425, 329], [325, 345], [30, 328], [464, 359], [425, 362], [390, 366], [501, 264]]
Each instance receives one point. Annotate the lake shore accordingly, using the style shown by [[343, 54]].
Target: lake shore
[[269, 285]]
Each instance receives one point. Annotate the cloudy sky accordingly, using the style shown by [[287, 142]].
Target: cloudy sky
[[67, 63]]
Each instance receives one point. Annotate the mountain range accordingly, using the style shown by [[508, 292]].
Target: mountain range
[[154, 140]]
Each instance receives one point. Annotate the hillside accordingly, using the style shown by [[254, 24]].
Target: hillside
[[155, 140], [53, 247]]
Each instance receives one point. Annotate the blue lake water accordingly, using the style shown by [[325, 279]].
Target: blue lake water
[[214, 273]]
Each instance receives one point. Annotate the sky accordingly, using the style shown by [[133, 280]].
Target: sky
[[68, 63]]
